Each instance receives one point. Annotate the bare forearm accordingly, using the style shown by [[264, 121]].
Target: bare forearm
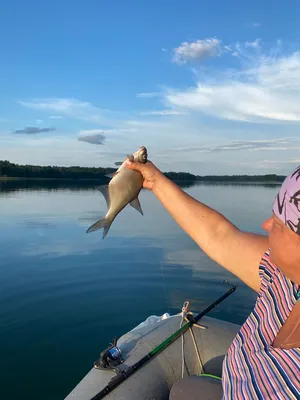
[[237, 251], [198, 220]]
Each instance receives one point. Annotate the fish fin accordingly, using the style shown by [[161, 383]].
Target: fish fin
[[102, 223], [135, 203], [104, 190], [130, 157], [111, 175]]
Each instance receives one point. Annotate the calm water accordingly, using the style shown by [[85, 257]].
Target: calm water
[[65, 294]]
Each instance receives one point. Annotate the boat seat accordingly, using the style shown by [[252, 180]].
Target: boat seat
[[197, 387]]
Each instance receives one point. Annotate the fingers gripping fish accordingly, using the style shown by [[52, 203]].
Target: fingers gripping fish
[[123, 189]]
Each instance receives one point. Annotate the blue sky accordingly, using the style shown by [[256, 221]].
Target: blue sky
[[207, 87]]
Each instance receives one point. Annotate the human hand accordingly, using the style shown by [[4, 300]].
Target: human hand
[[148, 170]]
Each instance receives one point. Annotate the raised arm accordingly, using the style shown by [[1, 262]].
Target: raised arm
[[237, 251]]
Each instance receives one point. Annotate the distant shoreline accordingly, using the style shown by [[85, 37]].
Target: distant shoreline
[[20, 178], [16, 172], [197, 181]]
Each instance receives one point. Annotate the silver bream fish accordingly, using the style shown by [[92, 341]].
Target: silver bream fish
[[123, 189]]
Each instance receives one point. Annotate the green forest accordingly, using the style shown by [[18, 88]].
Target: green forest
[[11, 170]]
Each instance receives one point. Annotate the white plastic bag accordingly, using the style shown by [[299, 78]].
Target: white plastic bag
[[151, 320]]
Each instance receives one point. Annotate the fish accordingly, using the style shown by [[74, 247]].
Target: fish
[[123, 189]]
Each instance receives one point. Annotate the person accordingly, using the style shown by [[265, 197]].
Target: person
[[263, 361]]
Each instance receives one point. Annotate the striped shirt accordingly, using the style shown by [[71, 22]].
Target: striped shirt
[[252, 368]]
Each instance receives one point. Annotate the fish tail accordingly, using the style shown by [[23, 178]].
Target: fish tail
[[102, 223]]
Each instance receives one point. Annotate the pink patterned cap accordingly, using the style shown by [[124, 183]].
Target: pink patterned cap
[[287, 203]]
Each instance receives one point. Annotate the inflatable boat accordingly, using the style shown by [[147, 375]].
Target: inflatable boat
[[148, 360]]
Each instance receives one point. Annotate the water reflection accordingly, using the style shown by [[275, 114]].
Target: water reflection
[[65, 293], [50, 185], [78, 185]]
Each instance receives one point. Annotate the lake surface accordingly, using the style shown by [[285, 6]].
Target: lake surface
[[65, 294]]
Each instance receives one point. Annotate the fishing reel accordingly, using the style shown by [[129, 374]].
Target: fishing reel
[[110, 357]]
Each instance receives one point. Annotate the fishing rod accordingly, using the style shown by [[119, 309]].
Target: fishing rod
[[122, 376]]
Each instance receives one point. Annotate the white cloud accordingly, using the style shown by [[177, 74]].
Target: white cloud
[[280, 144], [198, 151], [198, 50], [292, 161], [163, 112], [91, 132], [148, 95], [115, 131], [39, 121], [265, 89], [281, 167], [256, 44], [256, 25], [56, 104], [69, 107]]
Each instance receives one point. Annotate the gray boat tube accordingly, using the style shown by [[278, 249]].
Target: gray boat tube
[[122, 376]]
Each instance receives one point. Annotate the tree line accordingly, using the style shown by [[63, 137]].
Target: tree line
[[186, 176], [8, 169], [11, 170]]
